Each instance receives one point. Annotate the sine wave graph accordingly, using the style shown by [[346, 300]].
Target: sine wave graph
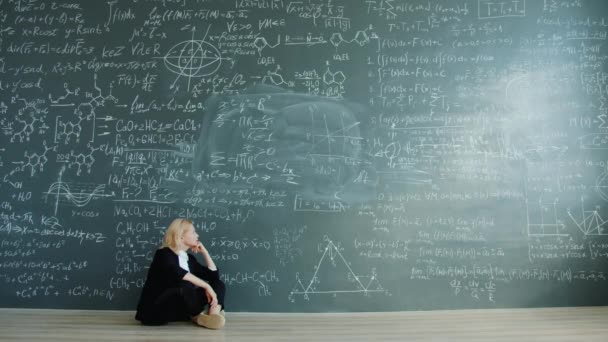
[[75, 194]]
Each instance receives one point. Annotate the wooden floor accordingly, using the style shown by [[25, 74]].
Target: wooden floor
[[556, 324]]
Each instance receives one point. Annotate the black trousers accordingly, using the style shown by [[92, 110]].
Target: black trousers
[[181, 303]]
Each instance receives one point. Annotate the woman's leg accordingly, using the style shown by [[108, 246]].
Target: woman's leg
[[175, 304], [194, 298], [168, 307], [220, 290], [212, 319]]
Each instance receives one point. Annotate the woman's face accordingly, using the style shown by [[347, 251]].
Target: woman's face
[[190, 237]]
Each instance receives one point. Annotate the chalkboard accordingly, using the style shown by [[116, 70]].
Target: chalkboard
[[366, 155]]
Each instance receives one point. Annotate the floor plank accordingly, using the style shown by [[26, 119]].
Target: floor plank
[[550, 324]]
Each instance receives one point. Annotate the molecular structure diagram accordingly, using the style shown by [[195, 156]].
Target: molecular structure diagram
[[67, 94], [331, 78], [273, 77], [37, 161], [96, 101], [79, 160], [26, 131], [31, 113], [68, 129], [361, 38], [260, 43], [65, 130]]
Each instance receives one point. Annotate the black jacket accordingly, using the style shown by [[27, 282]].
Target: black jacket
[[166, 274]]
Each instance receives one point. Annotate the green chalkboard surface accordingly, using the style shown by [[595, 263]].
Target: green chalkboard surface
[[333, 155]]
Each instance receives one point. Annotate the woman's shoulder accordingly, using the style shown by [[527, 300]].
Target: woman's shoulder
[[164, 252]]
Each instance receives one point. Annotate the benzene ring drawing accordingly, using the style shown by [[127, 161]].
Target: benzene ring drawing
[[193, 58]]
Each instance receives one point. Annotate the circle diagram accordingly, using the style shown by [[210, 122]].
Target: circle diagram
[[193, 58]]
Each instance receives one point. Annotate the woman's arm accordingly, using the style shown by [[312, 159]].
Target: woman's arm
[[211, 296], [200, 248]]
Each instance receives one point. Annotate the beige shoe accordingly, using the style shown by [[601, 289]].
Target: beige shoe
[[214, 321], [206, 312]]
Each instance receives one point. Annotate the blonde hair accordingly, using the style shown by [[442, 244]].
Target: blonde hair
[[174, 233]]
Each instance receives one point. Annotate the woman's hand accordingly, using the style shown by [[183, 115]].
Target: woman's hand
[[199, 248], [211, 297]]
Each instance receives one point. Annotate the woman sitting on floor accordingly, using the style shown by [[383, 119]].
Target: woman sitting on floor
[[178, 287]]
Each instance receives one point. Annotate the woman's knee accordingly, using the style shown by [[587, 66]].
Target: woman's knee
[[219, 286]]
